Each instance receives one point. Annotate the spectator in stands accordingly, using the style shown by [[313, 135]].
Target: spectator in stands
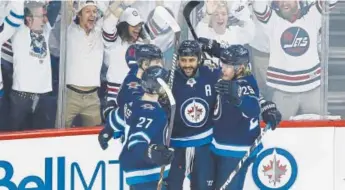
[[84, 58], [128, 31], [31, 69], [260, 49], [215, 24], [9, 24], [294, 70]]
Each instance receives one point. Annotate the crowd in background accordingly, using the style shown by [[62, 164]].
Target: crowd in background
[[283, 37]]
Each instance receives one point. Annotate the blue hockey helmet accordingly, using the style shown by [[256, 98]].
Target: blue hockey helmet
[[190, 48], [148, 52], [131, 58], [235, 55], [149, 81]]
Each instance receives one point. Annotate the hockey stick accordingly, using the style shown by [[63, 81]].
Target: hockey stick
[[170, 20], [246, 156], [171, 123], [186, 14]]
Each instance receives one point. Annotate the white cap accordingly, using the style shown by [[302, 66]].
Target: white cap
[[79, 5], [131, 16]]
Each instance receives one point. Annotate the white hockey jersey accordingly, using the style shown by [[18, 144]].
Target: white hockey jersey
[[294, 64], [11, 17], [31, 60]]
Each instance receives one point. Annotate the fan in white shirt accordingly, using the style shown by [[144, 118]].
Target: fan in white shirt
[[9, 23], [215, 23], [31, 65], [128, 31], [85, 48]]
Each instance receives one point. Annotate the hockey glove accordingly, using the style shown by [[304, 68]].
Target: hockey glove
[[229, 90], [209, 46], [160, 154], [110, 105], [104, 136], [270, 114]]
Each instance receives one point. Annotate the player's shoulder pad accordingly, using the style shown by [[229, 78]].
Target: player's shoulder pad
[[209, 71], [248, 80], [131, 82], [149, 106]]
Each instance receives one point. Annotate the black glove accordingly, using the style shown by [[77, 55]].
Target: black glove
[[229, 90], [160, 154], [270, 114], [212, 47], [104, 136], [110, 105]]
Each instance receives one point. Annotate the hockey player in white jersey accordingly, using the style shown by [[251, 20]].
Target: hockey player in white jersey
[[294, 70]]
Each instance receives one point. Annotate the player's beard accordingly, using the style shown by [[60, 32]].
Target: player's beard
[[189, 71]]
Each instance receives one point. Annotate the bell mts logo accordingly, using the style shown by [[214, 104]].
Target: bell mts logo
[[275, 169], [295, 41]]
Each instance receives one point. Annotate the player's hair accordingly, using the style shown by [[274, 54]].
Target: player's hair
[[122, 32], [28, 9]]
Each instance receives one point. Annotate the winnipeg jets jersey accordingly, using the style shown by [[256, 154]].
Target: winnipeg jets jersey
[[130, 90], [195, 100], [11, 17], [237, 127], [147, 125], [294, 64]]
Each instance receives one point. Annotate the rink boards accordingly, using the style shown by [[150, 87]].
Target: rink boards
[[294, 157]]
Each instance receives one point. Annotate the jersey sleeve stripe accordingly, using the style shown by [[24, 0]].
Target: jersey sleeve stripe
[[13, 14], [265, 16], [142, 135], [115, 121], [132, 143], [320, 4], [109, 37], [8, 21]]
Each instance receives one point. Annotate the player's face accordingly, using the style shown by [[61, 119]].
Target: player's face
[[219, 19], [87, 17], [228, 72], [134, 31], [288, 8], [38, 19], [188, 64]]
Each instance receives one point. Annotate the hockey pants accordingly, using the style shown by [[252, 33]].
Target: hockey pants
[[201, 165]]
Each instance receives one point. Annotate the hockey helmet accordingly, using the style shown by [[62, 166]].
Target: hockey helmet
[[148, 52], [131, 58], [190, 48], [234, 55], [149, 81]]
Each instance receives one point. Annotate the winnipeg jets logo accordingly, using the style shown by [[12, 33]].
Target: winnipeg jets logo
[[191, 82], [194, 112], [295, 41], [133, 85], [148, 106], [275, 168]]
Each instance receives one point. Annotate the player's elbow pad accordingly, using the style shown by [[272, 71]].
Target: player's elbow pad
[[250, 107]]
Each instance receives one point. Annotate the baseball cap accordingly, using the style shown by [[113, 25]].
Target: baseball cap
[[81, 4], [131, 16]]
